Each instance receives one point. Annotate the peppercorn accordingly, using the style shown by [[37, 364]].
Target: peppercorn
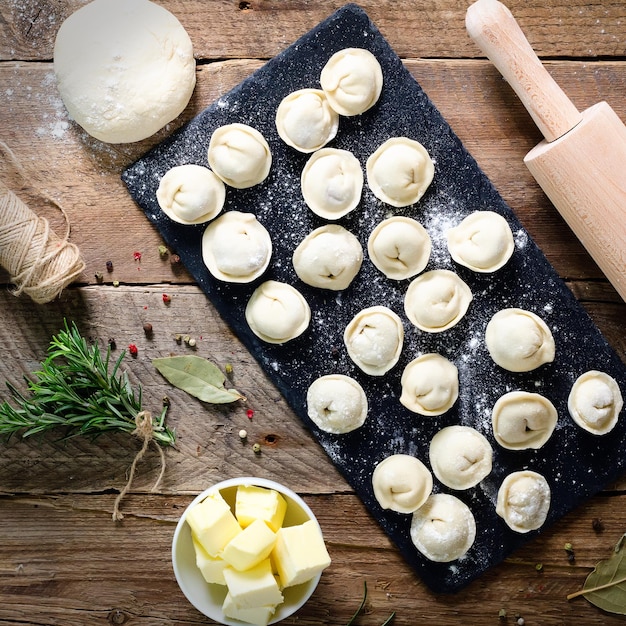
[[137, 256], [166, 299], [597, 524], [174, 259], [112, 344], [243, 434], [132, 349], [186, 339], [147, 329], [192, 342], [99, 277], [109, 265], [256, 448], [166, 401], [178, 338], [162, 250], [116, 283]]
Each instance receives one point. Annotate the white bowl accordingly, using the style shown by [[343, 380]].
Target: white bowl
[[208, 598]]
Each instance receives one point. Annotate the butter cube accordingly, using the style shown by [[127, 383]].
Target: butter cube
[[258, 615], [212, 568], [299, 553], [213, 523], [253, 588], [251, 546], [252, 502]]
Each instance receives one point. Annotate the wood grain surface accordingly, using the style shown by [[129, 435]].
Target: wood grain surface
[[62, 559]]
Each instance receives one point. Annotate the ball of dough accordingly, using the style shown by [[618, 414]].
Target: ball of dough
[[239, 155], [336, 403], [522, 420], [400, 171], [329, 258], [519, 340], [460, 456], [443, 529], [401, 483], [124, 68], [399, 247], [236, 247], [352, 80], [277, 312], [483, 242], [437, 300], [374, 339], [430, 385], [332, 182], [595, 401], [305, 120], [523, 501], [191, 194]]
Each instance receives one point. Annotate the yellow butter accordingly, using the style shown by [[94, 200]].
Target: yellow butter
[[212, 568], [254, 587], [213, 523], [259, 615], [299, 553], [252, 502], [251, 546]]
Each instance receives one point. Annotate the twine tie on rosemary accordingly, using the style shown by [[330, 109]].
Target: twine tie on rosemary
[[144, 430], [41, 263]]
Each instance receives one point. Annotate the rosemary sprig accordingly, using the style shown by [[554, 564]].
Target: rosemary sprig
[[74, 389], [362, 606]]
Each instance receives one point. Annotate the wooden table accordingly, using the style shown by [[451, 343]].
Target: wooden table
[[62, 558]]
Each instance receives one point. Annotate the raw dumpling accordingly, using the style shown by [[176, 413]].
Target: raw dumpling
[[523, 420], [400, 171], [191, 194], [524, 501], [443, 529], [332, 182], [437, 300], [374, 339], [239, 155], [519, 340], [352, 80], [336, 403], [305, 120], [236, 247], [483, 241], [595, 402], [460, 456], [430, 385], [399, 247], [329, 257], [277, 312], [401, 483]]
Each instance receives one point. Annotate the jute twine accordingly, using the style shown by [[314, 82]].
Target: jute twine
[[40, 263], [144, 430]]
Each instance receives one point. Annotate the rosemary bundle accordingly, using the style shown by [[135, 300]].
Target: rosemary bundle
[[74, 390]]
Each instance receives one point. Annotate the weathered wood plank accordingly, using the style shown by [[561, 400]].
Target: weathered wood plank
[[65, 561], [84, 174], [225, 29]]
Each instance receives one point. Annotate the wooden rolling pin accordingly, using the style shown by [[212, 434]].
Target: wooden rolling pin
[[581, 163]]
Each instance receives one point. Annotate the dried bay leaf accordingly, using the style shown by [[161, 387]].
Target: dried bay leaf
[[198, 377], [605, 587]]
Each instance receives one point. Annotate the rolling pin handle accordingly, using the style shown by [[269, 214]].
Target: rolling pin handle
[[493, 28]]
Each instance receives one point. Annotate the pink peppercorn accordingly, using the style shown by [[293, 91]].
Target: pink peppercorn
[[132, 348], [250, 414], [137, 256], [166, 299]]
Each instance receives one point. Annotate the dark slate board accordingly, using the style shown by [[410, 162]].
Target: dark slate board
[[575, 463]]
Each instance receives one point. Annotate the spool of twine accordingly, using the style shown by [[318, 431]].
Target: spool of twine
[[40, 263]]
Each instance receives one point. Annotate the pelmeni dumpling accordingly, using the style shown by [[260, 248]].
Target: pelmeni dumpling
[[332, 182], [329, 257], [239, 155], [277, 312], [352, 80], [523, 501], [595, 401], [443, 529], [399, 247], [401, 483], [400, 171], [460, 456], [483, 241], [191, 194], [236, 247], [374, 339], [336, 403], [305, 120], [523, 420], [437, 300], [430, 385], [519, 340]]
